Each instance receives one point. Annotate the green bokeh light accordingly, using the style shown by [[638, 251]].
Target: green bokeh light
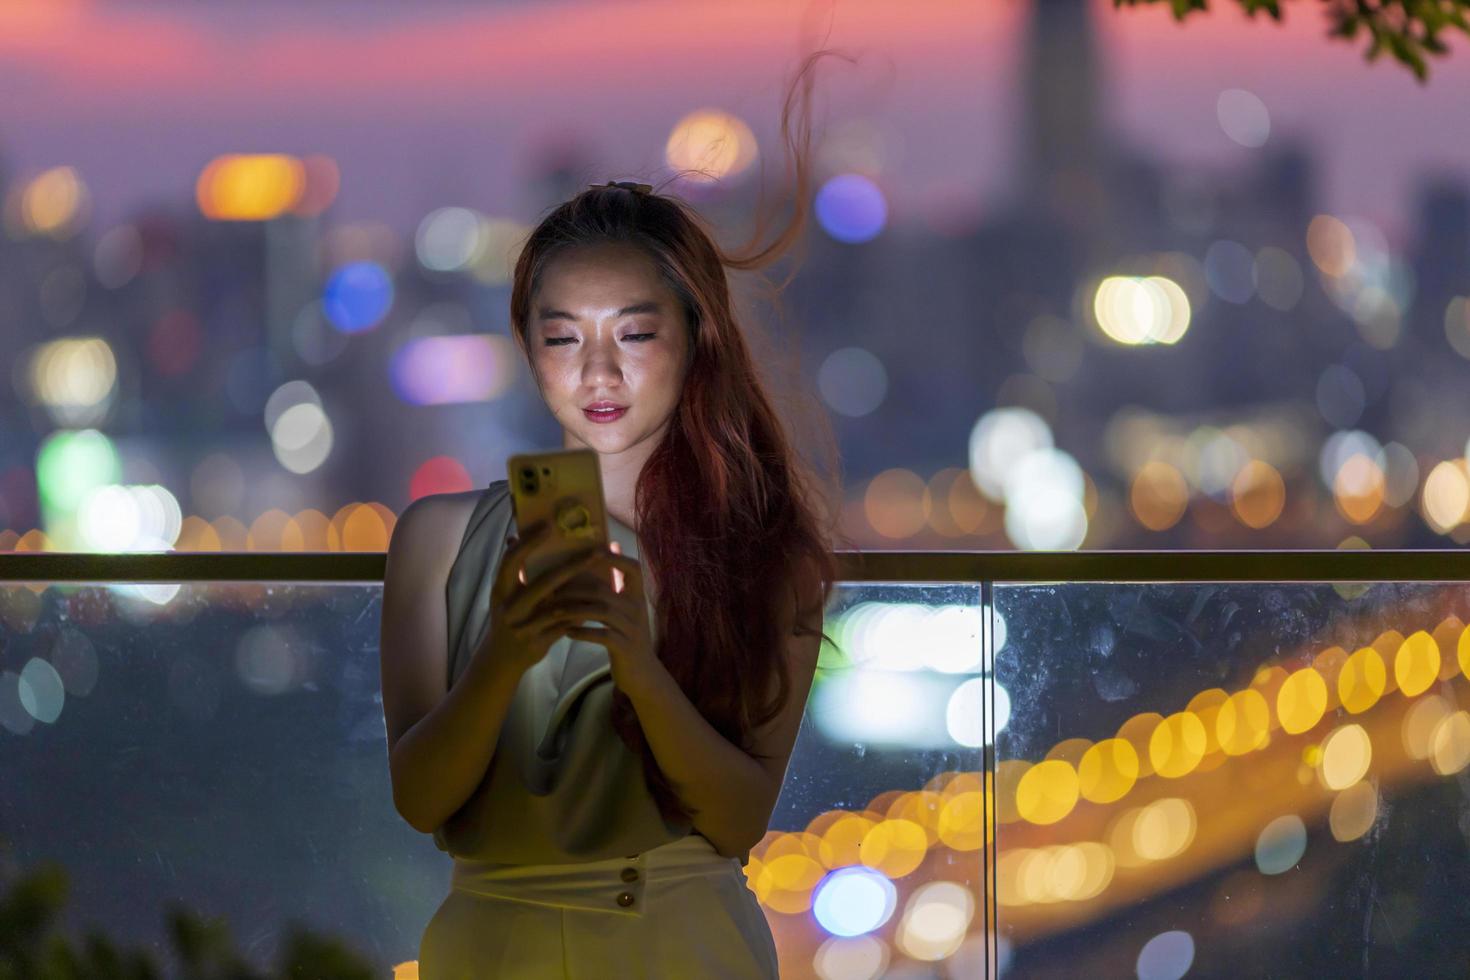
[[69, 464]]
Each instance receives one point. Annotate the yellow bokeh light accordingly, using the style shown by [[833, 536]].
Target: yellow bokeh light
[[1137, 731], [231, 532], [1450, 745], [1346, 754], [1359, 489], [307, 532], [73, 372], [1329, 664], [935, 921], [1008, 866], [1107, 770], [712, 143], [962, 824], [366, 527], [1158, 496], [1163, 829], [1070, 750], [758, 882], [894, 847], [1008, 775], [1301, 701], [814, 846], [266, 530], [844, 840], [1177, 745], [1257, 494], [1419, 724], [250, 187], [1330, 244], [1136, 310], [1206, 706], [1047, 792], [54, 203], [1243, 723], [197, 534], [1063, 872], [1445, 499], [1362, 680], [1446, 637], [1353, 811], [897, 503], [921, 807], [787, 883], [1464, 652], [1416, 665]]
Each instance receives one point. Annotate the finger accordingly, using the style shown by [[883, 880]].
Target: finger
[[516, 547], [517, 555], [582, 603], [557, 579], [588, 634], [600, 634], [618, 575], [618, 563]]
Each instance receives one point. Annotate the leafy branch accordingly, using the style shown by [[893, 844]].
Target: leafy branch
[[33, 948], [1408, 29]]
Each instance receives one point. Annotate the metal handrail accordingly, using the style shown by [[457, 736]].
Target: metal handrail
[[1389, 565]]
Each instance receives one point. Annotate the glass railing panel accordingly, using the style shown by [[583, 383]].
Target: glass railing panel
[[1252, 779], [222, 746], [219, 746], [873, 866]]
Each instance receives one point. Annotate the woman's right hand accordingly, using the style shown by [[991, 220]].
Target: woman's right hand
[[523, 623]]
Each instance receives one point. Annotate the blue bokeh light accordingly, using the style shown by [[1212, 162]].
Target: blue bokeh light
[[851, 208], [854, 900], [357, 296]]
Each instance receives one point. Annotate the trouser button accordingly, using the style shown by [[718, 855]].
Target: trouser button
[[630, 874], [625, 899]]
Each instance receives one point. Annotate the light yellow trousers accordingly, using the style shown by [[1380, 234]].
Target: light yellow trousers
[[679, 910]]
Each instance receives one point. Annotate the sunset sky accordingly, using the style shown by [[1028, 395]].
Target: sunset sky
[[442, 102]]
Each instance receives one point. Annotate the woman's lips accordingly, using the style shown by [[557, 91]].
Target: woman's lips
[[612, 416]]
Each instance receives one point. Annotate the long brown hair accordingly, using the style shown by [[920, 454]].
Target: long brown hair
[[731, 520]]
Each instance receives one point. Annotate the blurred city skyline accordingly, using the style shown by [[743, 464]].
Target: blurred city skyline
[[139, 96], [1114, 347]]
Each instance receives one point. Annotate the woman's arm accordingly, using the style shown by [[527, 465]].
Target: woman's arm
[[734, 792], [439, 744]]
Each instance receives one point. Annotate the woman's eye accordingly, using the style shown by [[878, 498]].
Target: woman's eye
[[558, 341]]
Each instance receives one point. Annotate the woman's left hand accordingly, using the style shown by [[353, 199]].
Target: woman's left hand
[[617, 601]]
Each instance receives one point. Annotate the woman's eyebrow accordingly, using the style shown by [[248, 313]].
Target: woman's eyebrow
[[647, 306]]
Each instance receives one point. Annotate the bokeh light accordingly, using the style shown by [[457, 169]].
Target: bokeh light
[[1135, 310], [451, 369], [1243, 117], [712, 143], [852, 381], [357, 296], [249, 187], [851, 208], [853, 901], [1281, 844], [1167, 956]]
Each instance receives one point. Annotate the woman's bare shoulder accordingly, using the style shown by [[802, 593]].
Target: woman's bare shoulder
[[435, 523]]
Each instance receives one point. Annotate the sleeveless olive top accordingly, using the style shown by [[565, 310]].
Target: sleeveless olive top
[[561, 787]]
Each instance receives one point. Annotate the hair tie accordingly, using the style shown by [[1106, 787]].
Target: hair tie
[[627, 185]]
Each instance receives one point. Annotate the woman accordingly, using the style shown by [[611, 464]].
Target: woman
[[601, 786]]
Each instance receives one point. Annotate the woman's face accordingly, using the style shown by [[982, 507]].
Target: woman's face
[[587, 345]]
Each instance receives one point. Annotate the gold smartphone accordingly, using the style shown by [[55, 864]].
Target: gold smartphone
[[564, 488]]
